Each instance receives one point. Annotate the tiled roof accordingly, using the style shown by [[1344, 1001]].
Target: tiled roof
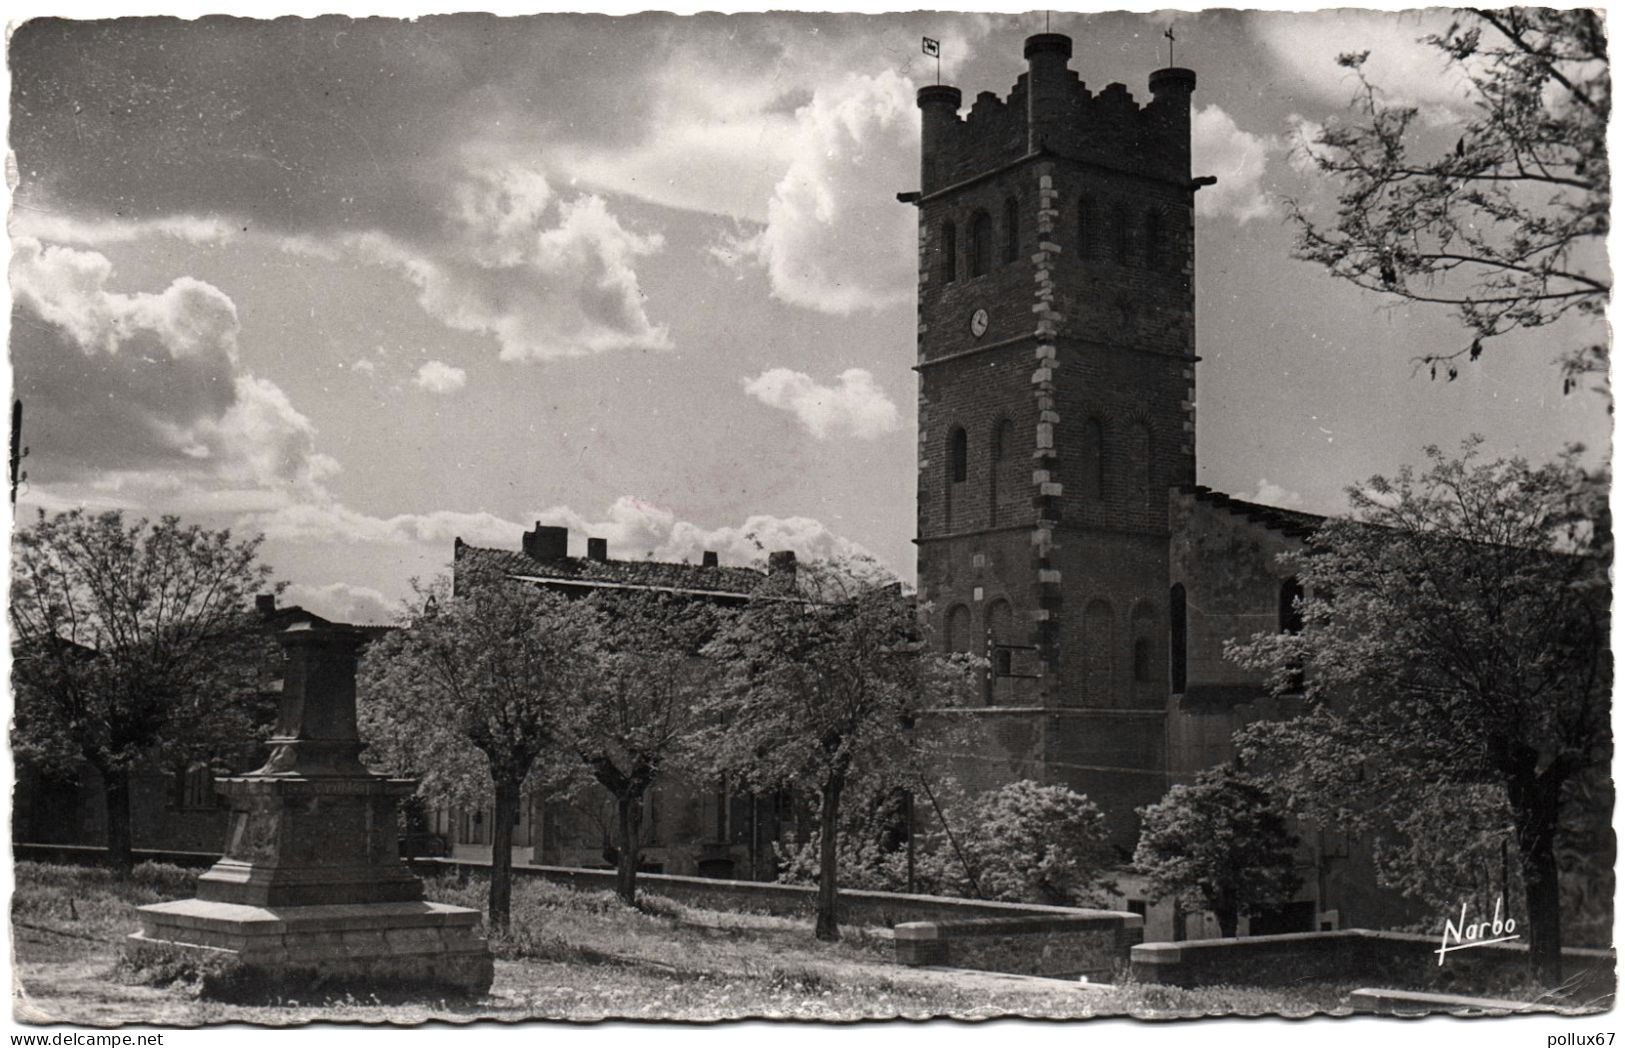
[[653, 574], [1287, 521], [281, 618]]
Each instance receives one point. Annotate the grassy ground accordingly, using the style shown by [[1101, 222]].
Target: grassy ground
[[575, 956]]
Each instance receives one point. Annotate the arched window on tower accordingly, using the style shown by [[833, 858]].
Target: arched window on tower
[[1141, 465], [1097, 653], [958, 631], [949, 252], [1176, 638], [1156, 248], [1012, 229], [1142, 626], [954, 475], [1094, 460], [1088, 229], [981, 243], [1004, 471], [1122, 236]]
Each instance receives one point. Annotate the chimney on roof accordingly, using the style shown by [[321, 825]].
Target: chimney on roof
[[782, 562], [265, 603], [597, 549], [709, 559], [546, 543]]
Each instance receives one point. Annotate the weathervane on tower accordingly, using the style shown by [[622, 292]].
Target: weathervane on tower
[[1169, 33]]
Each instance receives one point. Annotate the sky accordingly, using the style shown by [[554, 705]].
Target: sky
[[365, 286]]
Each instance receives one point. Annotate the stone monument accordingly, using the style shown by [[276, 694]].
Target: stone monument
[[311, 889]]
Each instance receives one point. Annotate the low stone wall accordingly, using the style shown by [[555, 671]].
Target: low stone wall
[[1092, 943], [881, 909], [1356, 954], [1410, 1003], [96, 855]]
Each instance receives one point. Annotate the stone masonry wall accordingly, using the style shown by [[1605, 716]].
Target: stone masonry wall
[[1109, 129], [1093, 944], [882, 909], [1382, 958], [1232, 574]]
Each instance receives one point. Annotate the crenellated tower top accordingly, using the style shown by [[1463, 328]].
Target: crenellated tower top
[[1051, 111]]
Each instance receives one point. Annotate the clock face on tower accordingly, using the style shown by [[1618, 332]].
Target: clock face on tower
[[978, 323]]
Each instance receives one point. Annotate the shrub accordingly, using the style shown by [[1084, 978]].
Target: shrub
[[1022, 842], [1044, 844], [1221, 843]]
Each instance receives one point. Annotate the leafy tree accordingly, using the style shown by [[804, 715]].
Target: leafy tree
[[879, 813], [825, 683], [472, 697], [640, 711], [871, 846], [1447, 844], [1025, 842], [1507, 224], [132, 643], [1221, 843], [1454, 635]]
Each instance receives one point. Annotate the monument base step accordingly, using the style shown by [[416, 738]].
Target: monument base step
[[382, 947]]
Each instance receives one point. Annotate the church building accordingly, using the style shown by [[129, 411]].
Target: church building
[[1060, 529]]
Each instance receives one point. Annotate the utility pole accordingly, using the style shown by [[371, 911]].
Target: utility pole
[[18, 452]]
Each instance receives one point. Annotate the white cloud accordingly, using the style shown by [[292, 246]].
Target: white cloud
[[1408, 71], [66, 229], [343, 602], [1237, 158], [1302, 147], [144, 391], [329, 521], [832, 242], [437, 377], [67, 288], [725, 121], [547, 277], [1272, 494], [263, 438], [636, 529], [364, 365], [856, 406]]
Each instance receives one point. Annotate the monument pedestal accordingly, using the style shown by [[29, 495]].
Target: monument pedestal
[[394, 945], [311, 889], [297, 840]]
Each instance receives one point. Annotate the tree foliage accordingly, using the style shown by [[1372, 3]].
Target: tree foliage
[[134, 643], [1507, 225], [1454, 644], [1221, 844], [825, 682], [640, 712], [1026, 842], [472, 697], [872, 849], [1020, 842]]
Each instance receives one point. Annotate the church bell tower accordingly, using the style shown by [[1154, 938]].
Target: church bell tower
[[1056, 354]]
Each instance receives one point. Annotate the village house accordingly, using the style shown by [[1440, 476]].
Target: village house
[[690, 827]]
